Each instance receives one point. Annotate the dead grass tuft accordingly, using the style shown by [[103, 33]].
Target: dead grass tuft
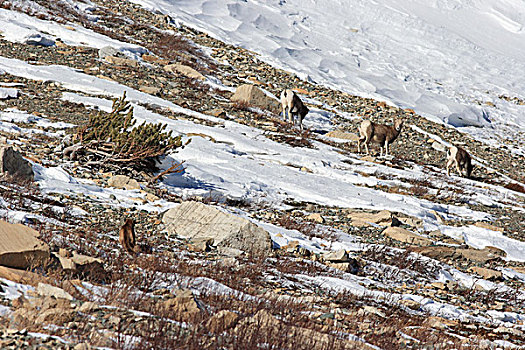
[[515, 187]]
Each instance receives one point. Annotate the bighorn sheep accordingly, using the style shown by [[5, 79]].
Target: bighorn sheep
[[293, 107], [378, 133], [458, 157]]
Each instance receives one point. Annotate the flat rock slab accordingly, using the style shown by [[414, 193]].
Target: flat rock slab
[[488, 274], [20, 247], [360, 219], [339, 134], [45, 289], [187, 71], [199, 221], [21, 276], [402, 235]]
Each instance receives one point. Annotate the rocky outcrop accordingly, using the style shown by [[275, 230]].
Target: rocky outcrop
[[449, 253], [198, 221], [12, 163], [264, 323], [222, 321], [184, 306], [20, 246], [253, 96]]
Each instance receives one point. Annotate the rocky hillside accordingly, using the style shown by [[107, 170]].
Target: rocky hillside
[[248, 233]]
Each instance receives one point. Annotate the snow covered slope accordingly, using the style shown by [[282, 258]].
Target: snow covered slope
[[444, 58]]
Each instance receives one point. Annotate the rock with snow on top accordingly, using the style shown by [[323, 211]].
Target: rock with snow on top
[[107, 51], [38, 40], [352, 266], [438, 146]]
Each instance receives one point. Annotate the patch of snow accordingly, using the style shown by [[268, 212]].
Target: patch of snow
[[441, 58], [20, 27], [13, 290], [480, 238], [6, 93]]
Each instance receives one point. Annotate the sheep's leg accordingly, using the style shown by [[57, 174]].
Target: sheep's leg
[[286, 113], [449, 164], [366, 146], [460, 173], [386, 148]]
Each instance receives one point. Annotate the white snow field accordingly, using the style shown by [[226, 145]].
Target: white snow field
[[444, 58]]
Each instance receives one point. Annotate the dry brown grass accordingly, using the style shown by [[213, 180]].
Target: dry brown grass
[[515, 187]]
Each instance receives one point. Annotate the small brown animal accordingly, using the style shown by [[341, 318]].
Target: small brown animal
[[458, 157], [293, 108], [126, 236], [378, 133]]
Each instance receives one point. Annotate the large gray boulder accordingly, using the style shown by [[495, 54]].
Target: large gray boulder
[[20, 247], [198, 221], [14, 164]]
